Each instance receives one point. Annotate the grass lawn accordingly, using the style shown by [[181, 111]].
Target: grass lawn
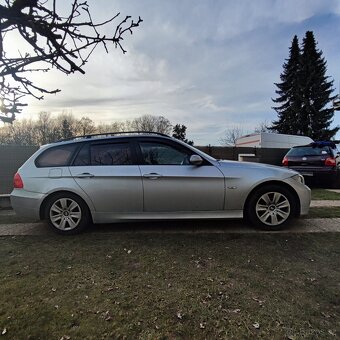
[[324, 212], [115, 285], [323, 194]]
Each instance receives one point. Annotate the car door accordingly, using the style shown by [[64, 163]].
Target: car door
[[172, 184], [107, 172]]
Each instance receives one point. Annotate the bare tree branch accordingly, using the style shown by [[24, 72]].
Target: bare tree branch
[[63, 43]]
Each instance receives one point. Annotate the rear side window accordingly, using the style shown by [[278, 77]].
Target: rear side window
[[111, 154], [309, 151], [56, 156]]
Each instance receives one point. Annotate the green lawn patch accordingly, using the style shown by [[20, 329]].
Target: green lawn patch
[[198, 286], [324, 212], [323, 194]]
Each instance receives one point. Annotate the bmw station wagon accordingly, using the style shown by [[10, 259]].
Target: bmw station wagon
[[150, 176]]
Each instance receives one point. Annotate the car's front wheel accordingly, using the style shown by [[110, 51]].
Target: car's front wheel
[[271, 207], [66, 213]]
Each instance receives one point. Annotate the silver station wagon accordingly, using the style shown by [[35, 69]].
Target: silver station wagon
[[150, 176]]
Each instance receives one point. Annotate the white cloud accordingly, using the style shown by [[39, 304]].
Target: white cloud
[[205, 64]]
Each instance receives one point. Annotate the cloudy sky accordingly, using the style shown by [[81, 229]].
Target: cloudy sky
[[208, 64]]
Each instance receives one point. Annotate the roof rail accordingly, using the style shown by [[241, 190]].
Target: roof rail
[[108, 134]]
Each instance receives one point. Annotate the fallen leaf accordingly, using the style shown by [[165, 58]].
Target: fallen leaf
[[260, 302], [256, 325]]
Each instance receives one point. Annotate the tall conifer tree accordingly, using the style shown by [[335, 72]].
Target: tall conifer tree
[[316, 112], [289, 99], [305, 93]]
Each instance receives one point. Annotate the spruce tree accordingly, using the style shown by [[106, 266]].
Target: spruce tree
[[289, 99], [316, 111], [305, 93]]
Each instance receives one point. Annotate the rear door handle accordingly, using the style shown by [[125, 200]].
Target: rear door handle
[[152, 175], [84, 175]]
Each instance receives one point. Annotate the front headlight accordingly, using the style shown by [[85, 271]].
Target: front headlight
[[299, 178]]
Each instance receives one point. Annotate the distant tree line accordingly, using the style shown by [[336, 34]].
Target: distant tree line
[[47, 129]]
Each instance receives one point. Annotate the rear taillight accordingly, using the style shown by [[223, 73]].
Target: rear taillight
[[330, 161], [17, 182], [285, 161]]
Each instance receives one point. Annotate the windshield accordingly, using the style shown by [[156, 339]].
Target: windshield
[[309, 151]]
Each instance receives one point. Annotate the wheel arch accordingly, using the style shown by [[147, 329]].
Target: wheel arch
[[297, 208], [42, 211]]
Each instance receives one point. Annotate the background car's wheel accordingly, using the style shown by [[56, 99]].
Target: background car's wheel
[[66, 213], [271, 207]]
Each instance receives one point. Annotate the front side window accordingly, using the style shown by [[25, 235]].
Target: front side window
[[56, 156], [111, 154], [163, 154]]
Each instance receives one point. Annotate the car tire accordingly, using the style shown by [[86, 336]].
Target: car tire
[[67, 213], [271, 207]]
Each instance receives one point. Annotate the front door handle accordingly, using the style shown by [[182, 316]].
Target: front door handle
[[152, 175], [84, 175]]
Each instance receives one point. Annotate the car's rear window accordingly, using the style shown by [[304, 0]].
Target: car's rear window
[[309, 151], [56, 156]]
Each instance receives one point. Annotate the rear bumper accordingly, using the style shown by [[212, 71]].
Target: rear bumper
[[26, 203], [324, 174]]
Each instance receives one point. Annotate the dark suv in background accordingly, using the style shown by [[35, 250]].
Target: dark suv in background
[[318, 162]]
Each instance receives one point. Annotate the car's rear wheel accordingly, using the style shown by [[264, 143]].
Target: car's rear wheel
[[271, 207], [67, 213]]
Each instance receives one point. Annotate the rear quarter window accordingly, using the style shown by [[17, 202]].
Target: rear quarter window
[[56, 156]]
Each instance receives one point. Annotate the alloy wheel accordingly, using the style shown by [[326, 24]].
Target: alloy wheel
[[65, 214], [273, 208]]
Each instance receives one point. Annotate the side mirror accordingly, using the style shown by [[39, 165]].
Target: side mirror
[[195, 160]]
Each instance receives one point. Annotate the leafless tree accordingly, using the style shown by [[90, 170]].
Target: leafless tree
[[47, 39], [85, 126], [231, 134], [264, 127], [23, 132], [151, 123], [112, 127]]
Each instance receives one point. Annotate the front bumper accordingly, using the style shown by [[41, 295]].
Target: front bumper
[[304, 194], [26, 203]]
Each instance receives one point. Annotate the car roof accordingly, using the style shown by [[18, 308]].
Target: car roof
[[318, 144], [111, 135]]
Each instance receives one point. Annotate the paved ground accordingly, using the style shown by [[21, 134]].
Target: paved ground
[[317, 225]]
